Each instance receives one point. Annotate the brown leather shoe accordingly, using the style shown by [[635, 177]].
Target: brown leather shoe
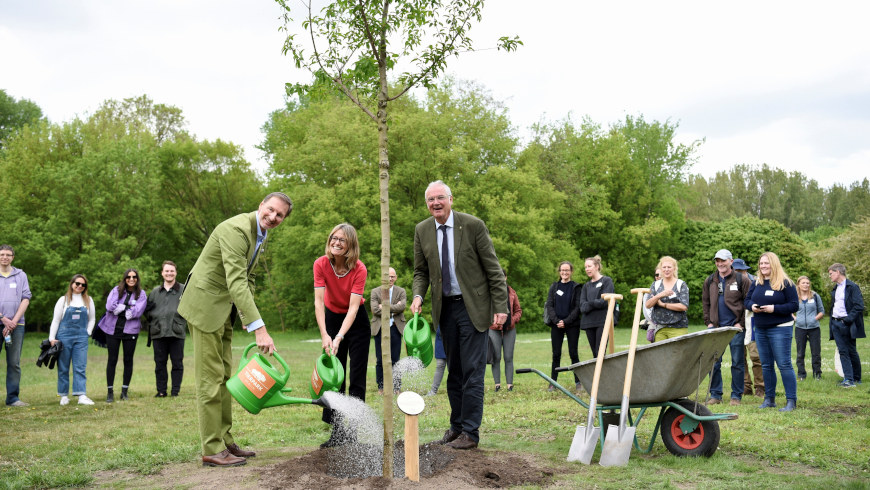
[[235, 450], [223, 458], [759, 392], [747, 391], [463, 442], [450, 435], [713, 401], [735, 402]]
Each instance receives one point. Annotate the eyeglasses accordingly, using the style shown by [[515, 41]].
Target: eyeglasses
[[132, 277], [80, 284], [338, 239], [658, 275]]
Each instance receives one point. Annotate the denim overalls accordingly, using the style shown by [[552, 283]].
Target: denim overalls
[[73, 332]]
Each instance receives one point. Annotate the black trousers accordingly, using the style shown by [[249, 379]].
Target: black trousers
[[113, 344], [556, 336], [593, 336], [168, 348], [395, 353], [355, 345], [466, 365]]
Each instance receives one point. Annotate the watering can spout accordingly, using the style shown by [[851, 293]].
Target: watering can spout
[[321, 403], [280, 398]]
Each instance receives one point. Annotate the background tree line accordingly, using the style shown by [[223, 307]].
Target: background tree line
[[129, 187]]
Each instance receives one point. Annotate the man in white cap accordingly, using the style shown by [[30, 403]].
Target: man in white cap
[[722, 299]]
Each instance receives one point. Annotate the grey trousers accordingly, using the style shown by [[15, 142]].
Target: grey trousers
[[507, 342]]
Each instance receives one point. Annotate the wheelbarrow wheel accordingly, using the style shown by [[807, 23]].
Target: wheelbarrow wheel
[[703, 441]]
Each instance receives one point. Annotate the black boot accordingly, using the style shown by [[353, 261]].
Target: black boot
[[110, 397], [124, 394]]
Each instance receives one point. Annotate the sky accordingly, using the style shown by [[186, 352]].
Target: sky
[[780, 83]]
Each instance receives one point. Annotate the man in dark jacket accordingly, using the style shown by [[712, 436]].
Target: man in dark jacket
[[722, 298], [168, 329], [847, 323]]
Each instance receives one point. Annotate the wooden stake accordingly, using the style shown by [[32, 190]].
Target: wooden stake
[[412, 448]]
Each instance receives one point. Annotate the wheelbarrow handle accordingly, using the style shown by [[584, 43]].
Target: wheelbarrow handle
[[523, 370]]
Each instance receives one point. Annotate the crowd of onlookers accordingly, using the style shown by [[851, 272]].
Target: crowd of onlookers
[[770, 310], [74, 324]]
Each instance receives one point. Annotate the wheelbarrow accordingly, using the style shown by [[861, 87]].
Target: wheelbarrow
[[666, 373]]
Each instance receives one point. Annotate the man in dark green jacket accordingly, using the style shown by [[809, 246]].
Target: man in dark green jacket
[[167, 329]]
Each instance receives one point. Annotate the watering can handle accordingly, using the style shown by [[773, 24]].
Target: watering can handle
[[274, 354]]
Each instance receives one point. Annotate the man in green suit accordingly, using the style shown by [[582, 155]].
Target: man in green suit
[[454, 254], [219, 288]]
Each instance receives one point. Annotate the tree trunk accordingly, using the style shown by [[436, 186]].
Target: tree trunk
[[386, 359]]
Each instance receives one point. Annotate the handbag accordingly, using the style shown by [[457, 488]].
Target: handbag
[[651, 333], [98, 337]]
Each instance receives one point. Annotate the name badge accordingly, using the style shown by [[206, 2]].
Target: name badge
[[811, 301], [12, 285], [769, 292], [76, 317], [733, 287], [673, 295], [559, 292], [598, 285]]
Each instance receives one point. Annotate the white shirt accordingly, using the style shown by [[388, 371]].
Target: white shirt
[[60, 308], [454, 283]]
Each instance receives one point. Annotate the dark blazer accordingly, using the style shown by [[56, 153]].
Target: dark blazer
[[397, 308], [854, 309], [478, 271], [221, 278]]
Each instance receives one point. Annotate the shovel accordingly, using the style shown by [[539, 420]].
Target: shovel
[[586, 438], [617, 444]]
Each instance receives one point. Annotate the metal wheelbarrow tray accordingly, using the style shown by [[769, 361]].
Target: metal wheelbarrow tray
[[666, 373], [663, 371]]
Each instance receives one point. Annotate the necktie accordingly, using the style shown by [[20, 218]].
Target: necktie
[[445, 263]]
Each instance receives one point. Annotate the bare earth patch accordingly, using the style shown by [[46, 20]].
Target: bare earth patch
[[440, 468]]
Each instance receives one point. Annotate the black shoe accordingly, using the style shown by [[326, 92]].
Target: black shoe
[[124, 394], [110, 397], [160, 395], [174, 393], [497, 388]]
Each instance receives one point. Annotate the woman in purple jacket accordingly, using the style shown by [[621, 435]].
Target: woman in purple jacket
[[124, 309]]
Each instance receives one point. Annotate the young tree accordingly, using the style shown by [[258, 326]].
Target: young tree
[[351, 50]]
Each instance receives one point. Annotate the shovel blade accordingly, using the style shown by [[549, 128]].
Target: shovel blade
[[617, 448], [584, 444]]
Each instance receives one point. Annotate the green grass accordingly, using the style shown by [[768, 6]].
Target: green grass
[[822, 444]]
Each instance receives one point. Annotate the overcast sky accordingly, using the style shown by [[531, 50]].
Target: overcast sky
[[782, 83]]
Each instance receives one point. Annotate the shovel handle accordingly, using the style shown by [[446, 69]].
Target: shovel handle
[[635, 328], [602, 346]]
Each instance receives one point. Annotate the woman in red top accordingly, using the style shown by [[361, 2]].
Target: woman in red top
[[339, 285]]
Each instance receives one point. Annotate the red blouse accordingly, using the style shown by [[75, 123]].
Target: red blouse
[[338, 289]]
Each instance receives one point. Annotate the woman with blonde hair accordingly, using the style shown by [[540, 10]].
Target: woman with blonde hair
[[339, 286], [669, 301], [773, 298], [593, 308], [72, 324], [808, 329]]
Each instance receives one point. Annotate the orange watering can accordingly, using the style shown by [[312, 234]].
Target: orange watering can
[[258, 385]]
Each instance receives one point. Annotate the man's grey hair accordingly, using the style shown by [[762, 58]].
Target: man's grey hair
[[839, 268], [438, 182], [281, 196]]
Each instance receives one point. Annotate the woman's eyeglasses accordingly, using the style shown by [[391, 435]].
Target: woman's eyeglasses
[[132, 277], [658, 275], [338, 239], [80, 284]]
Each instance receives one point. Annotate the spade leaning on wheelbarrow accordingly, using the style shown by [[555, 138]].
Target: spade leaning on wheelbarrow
[[672, 370]]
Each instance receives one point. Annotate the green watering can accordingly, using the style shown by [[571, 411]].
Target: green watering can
[[418, 339], [258, 385], [328, 375]]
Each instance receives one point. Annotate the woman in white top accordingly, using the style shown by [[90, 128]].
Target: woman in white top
[[72, 324]]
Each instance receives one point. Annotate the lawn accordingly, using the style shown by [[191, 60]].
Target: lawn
[[824, 443]]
